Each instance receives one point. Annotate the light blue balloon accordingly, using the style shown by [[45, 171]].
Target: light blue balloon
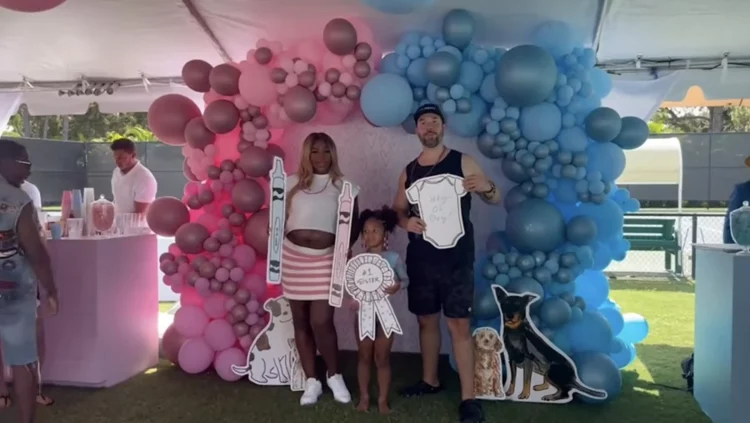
[[614, 317], [449, 106], [573, 139], [389, 65], [402, 61], [442, 69], [556, 37], [458, 28], [471, 76], [489, 67], [608, 217], [386, 100], [409, 126], [416, 73], [526, 75], [635, 328], [481, 56], [457, 91], [469, 124], [633, 134], [454, 52], [426, 41], [540, 122], [606, 158], [413, 51], [623, 354], [593, 287], [602, 256], [439, 43], [600, 81], [590, 333], [398, 7], [603, 124], [428, 51], [565, 192], [598, 371]]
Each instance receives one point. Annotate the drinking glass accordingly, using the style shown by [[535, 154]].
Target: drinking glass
[[75, 228]]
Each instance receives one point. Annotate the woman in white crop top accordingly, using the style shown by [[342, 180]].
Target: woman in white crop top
[[312, 218]]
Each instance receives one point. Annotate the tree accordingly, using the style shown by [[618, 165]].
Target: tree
[[701, 119]]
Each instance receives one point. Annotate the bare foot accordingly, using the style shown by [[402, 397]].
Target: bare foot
[[384, 408], [5, 401], [364, 404], [44, 400]]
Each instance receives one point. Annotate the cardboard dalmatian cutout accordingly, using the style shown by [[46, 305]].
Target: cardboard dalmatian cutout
[[367, 277], [438, 199], [277, 220], [273, 359], [537, 371], [341, 247]]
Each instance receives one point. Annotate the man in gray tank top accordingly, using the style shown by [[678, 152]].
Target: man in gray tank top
[[23, 260]]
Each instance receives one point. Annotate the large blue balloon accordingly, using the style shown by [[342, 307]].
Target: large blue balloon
[[555, 312], [614, 318], [416, 73], [572, 139], [598, 371], [389, 64], [581, 230], [633, 134], [458, 28], [535, 225], [468, 124], [485, 307], [526, 75], [590, 333], [386, 100], [607, 159], [593, 287], [540, 122], [398, 7], [635, 328], [442, 69], [603, 124], [470, 76], [608, 217], [556, 37]]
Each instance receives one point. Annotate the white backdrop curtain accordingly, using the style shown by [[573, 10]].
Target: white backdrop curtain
[[9, 103], [640, 98]]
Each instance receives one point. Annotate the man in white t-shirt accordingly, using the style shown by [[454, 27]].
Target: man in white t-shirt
[[133, 185], [33, 192]]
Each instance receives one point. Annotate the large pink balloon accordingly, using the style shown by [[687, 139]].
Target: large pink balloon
[[220, 335], [191, 321], [248, 196], [224, 362], [255, 233], [256, 86], [224, 79], [300, 104], [169, 115], [276, 151], [221, 116], [255, 162], [195, 74], [171, 343], [195, 356], [166, 215], [190, 238], [30, 6], [198, 135], [226, 146]]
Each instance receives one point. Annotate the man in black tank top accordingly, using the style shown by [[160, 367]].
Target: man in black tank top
[[442, 278]]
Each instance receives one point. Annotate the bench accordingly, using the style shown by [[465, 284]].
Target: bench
[[655, 234]]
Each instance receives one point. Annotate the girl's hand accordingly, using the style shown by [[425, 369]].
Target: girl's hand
[[393, 288]]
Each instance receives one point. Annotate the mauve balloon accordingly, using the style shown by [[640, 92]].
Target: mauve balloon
[[243, 145], [263, 55], [255, 162], [260, 122], [166, 256], [190, 237], [166, 214], [276, 151], [253, 110], [207, 270], [338, 90], [206, 197], [362, 69], [300, 104], [362, 51], [278, 75], [353, 92], [229, 288], [340, 36], [194, 203], [241, 329], [227, 165], [197, 135], [221, 116], [215, 285], [239, 312], [188, 172], [228, 263], [168, 267], [227, 210], [248, 196], [242, 296], [198, 261], [224, 236], [332, 75], [255, 233], [319, 97], [306, 79], [211, 245], [213, 172], [182, 259], [195, 73], [245, 116], [224, 79], [192, 277], [169, 115], [236, 219]]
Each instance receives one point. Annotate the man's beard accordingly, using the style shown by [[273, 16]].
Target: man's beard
[[431, 139]]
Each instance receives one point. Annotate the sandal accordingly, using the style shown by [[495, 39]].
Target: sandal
[[44, 400], [5, 401], [419, 389]]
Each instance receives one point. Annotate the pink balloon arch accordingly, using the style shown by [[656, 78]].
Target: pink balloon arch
[[30, 6], [218, 261]]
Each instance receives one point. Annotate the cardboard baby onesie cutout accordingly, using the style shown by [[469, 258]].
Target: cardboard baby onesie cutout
[[272, 359], [438, 198], [277, 221], [537, 370], [341, 247], [367, 277]]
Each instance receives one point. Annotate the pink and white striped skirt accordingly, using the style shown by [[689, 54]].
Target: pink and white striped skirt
[[306, 272]]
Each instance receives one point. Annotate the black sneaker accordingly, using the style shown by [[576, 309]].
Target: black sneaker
[[470, 411], [419, 389]]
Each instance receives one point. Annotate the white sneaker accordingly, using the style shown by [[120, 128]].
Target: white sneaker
[[313, 391], [340, 393]]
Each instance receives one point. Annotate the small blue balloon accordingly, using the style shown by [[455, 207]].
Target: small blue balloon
[[607, 159], [428, 51], [426, 41], [635, 328], [600, 81], [442, 69], [413, 51], [481, 56], [624, 354], [457, 91], [593, 287], [471, 76], [572, 139], [468, 124], [402, 61], [603, 124], [540, 122], [389, 65], [411, 37], [386, 100], [554, 312], [614, 318], [556, 37], [398, 7], [633, 134], [581, 230], [458, 28], [598, 371], [453, 51], [449, 106], [526, 75], [416, 73]]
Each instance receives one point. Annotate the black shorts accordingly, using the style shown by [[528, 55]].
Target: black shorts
[[438, 286]]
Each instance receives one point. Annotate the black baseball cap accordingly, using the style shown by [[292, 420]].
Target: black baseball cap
[[428, 108]]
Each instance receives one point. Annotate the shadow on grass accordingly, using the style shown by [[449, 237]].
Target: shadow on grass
[[664, 364], [686, 286]]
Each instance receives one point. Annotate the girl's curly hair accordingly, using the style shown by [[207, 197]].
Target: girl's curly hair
[[387, 215]]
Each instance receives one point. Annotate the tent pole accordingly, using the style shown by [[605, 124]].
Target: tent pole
[[604, 9], [207, 30]]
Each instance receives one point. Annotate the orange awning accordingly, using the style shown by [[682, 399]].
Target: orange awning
[[695, 98]]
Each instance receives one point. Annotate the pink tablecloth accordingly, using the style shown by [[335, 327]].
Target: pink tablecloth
[[106, 331]]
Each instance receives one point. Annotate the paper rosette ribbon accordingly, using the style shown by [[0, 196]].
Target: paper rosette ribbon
[[367, 277]]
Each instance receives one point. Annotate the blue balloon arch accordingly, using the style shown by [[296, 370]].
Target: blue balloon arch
[[537, 108]]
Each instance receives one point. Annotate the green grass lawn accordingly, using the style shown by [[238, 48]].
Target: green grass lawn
[[166, 395]]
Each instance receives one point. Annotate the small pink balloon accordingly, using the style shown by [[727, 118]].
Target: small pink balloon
[[211, 245], [237, 274], [244, 255], [237, 219], [246, 342], [253, 306], [210, 150], [241, 329], [242, 296], [229, 288], [207, 270], [215, 286], [240, 103], [224, 235], [168, 267], [216, 261], [214, 306], [228, 263], [224, 223], [217, 186], [190, 321], [202, 285], [222, 274], [252, 319], [191, 188], [195, 356], [229, 304], [226, 250], [226, 177], [183, 268], [226, 360], [239, 312], [219, 335], [256, 329], [174, 250], [238, 174]]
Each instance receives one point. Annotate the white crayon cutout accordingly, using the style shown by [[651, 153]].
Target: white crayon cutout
[[341, 248], [277, 220]]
